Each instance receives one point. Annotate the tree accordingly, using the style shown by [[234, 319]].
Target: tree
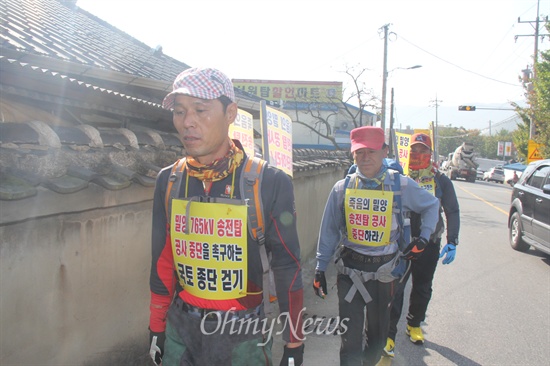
[[484, 146], [538, 98], [323, 116], [449, 138], [520, 137]]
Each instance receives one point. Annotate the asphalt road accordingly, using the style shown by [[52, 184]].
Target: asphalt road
[[491, 306]]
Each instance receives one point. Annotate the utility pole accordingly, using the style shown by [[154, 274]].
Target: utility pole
[[436, 133], [392, 134], [536, 35], [535, 55], [384, 78]]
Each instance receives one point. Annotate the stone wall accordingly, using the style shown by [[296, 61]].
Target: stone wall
[[74, 270]]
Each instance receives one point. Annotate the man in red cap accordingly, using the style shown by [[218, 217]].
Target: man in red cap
[[428, 177], [364, 212]]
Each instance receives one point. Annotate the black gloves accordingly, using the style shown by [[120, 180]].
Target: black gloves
[[156, 340], [297, 354], [320, 284], [415, 248]]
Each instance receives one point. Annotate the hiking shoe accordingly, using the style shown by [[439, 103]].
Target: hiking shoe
[[389, 349], [415, 334]]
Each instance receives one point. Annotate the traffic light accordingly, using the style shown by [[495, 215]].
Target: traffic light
[[466, 108]]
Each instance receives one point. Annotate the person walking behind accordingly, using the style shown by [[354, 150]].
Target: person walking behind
[[208, 272], [364, 211], [422, 170]]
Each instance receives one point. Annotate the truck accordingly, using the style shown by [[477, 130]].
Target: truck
[[461, 164]]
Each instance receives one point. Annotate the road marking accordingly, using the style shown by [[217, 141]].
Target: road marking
[[481, 199]]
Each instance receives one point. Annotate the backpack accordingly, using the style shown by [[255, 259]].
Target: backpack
[[250, 187]]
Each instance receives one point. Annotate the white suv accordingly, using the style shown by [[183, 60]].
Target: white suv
[[494, 174]]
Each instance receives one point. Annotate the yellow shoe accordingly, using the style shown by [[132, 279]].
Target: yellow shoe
[[415, 334], [389, 349]]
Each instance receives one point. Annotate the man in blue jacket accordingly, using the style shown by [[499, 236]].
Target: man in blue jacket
[[364, 214]]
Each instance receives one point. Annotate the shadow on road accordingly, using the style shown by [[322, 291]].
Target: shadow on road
[[415, 355]]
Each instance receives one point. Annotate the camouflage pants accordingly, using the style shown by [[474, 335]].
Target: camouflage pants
[[195, 341]]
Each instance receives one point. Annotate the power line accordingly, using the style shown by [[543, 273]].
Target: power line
[[504, 121], [457, 66]]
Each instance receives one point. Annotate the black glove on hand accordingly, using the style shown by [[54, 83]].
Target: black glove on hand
[[415, 248], [296, 353], [157, 346], [320, 284]]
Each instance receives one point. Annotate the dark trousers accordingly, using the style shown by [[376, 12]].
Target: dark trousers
[[194, 341], [372, 323], [422, 272]]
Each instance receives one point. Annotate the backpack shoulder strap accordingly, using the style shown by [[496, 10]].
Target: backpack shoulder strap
[[404, 224], [352, 175], [251, 185], [396, 189], [172, 190], [438, 189], [251, 191]]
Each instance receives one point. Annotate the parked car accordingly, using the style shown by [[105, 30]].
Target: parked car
[[529, 216], [494, 174]]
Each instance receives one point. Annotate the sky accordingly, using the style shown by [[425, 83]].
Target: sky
[[468, 49]]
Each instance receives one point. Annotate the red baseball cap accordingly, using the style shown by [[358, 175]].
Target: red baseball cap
[[200, 83], [421, 138], [367, 137]]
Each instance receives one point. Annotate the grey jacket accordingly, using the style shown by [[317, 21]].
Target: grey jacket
[[333, 227]]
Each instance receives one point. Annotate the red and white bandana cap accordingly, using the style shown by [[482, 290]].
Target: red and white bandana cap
[[200, 83]]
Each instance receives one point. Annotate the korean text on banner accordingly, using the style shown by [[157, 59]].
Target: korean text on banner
[[368, 217], [242, 129], [500, 148], [507, 148], [292, 91], [277, 138], [209, 242], [403, 150]]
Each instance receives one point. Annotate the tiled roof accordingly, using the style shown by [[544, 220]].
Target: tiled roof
[[67, 159], [66, 44], [52, 46], [9, 62], [314, 159], [59, 31]]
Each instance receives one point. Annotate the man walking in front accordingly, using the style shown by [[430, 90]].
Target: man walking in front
[[207, 269]]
